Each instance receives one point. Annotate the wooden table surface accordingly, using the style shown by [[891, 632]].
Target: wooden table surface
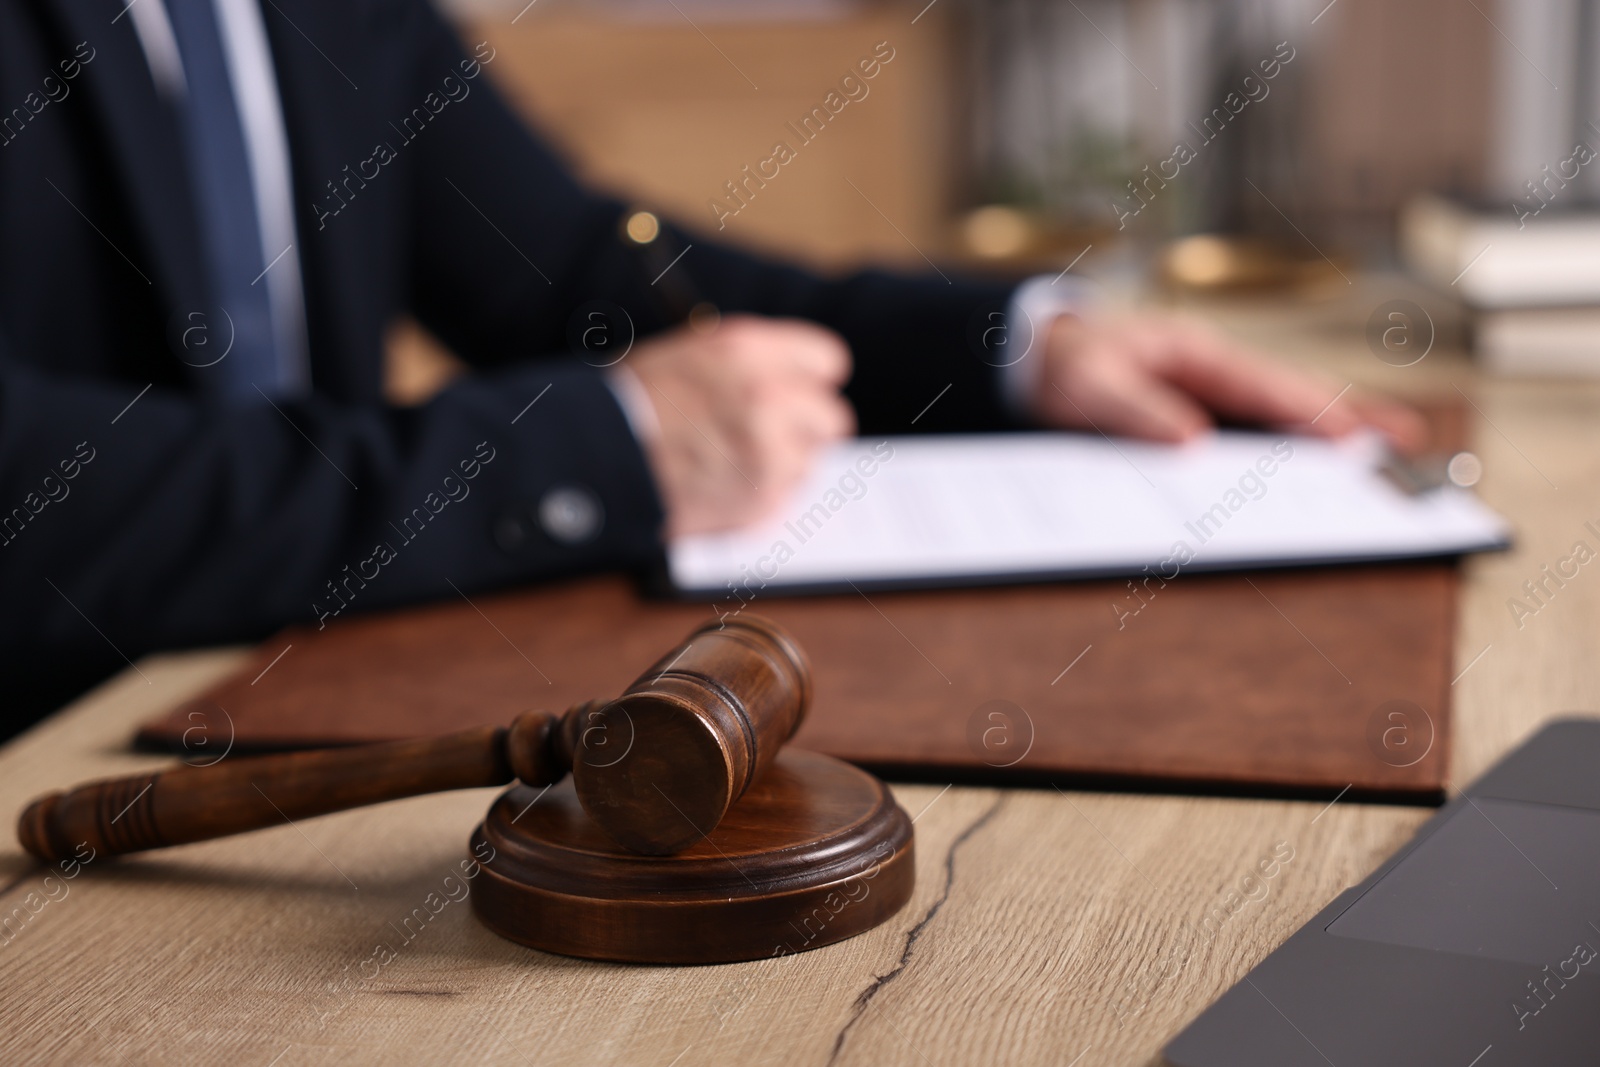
[[1047, 927]]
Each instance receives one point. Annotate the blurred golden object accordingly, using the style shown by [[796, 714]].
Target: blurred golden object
[[996, 231], [642, 227], [1200, 262], [1013, 240], [1212, 263]]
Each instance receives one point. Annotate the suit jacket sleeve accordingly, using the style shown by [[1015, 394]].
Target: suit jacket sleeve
[[136, 521]]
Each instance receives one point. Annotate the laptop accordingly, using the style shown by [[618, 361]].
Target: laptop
[[1477, 945]]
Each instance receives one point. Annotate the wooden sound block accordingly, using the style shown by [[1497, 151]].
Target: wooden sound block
[[815, 851]]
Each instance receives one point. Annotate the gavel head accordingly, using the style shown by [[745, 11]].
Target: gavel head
[[658, 767]]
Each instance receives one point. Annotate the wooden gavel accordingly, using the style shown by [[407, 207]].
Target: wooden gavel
[[656, 768]]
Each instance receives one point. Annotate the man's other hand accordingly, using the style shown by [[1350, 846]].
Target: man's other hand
[[743, 408], [1167, 379]]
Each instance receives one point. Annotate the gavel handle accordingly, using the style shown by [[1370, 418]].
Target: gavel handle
[[174, 807]]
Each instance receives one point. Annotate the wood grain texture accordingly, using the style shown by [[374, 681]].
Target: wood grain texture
[[1044, 924]]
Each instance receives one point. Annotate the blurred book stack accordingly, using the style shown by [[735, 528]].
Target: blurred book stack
[[1529, 280]]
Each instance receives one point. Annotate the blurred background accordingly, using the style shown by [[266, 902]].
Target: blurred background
[[1280, 152]]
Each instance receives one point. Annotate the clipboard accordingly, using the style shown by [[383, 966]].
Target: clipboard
[[1006, 508]]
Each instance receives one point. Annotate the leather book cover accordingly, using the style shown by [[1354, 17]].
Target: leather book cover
[[1297, 682]]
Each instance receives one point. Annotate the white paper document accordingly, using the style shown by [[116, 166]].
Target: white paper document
[[972, 508]]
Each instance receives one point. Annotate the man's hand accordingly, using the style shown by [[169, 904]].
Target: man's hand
[[743, 408], [1165, 378]]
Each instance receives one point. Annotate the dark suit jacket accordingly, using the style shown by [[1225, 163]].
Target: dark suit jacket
[[186, 521]]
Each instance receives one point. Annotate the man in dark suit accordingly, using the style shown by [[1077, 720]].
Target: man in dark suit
[[212, 210]]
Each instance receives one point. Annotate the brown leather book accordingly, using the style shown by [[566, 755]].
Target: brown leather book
[[1293, 683]]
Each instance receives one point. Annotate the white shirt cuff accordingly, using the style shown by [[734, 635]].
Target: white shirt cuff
[[1033, 306], [635, 402]]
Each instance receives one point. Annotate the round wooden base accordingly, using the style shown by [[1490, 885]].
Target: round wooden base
[[815, 851]]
